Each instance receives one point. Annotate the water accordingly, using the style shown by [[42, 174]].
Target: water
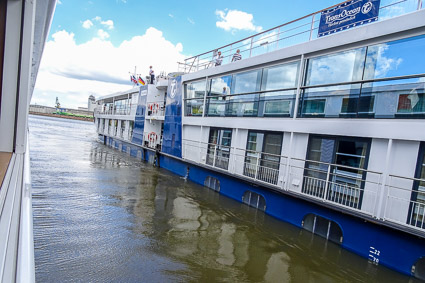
[[103, 216]]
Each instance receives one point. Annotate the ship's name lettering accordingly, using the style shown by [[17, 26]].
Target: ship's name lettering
[[342, 15]]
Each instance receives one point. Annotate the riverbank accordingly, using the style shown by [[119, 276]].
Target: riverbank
[[63, 116]]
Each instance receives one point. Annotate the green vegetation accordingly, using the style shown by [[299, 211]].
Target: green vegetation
[[72, 115]]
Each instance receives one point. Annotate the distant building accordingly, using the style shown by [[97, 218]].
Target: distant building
[[91, 103]]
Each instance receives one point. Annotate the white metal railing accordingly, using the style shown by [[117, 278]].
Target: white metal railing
[[151, 140], [301, 30], [399, 197], [347, 187], [155, 109], [128, 110]]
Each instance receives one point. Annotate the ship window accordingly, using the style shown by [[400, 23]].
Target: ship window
[[323, 227], [246, 82], [339, 67], [255, 200], [418, 270], [262, 157], [280, 77], [338, 162], [212, 183], [195, 89], [398, 58], [220, 86], [417, 205], [218, 153]]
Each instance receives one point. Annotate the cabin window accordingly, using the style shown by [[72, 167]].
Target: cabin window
[[255, 200], [219, 143], [335, 169], [417, 205], [323, 227], [130, 129], [212, 183], [262, 158]]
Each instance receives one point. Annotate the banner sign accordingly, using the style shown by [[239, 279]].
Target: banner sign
[[348, 15]]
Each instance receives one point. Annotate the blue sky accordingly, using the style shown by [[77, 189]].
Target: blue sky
[[93, 44]]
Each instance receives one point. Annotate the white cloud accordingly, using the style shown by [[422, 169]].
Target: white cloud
[[72, 71], [102, 34], [97, 18], [232, 20], [87, 24], [59, 2], [191, 21], [109, 24], [171, 15]]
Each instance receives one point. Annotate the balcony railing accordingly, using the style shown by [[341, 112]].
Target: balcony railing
[[128, 110], [301, 30], [155, 109], [350, 188]]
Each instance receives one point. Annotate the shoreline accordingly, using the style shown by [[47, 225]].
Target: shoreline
[[62, 116]]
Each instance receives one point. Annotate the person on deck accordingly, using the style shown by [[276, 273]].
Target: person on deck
[[218, 59], [237, 56], [151, 74]]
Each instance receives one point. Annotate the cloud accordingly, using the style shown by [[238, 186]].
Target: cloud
[[87, 24], [191, 21], [109, 24], [72, 72], [171, 15], [59, 2], [97, 18], [102, 34], [233, 20]]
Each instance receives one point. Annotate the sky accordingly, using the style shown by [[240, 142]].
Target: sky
[[94, 45]]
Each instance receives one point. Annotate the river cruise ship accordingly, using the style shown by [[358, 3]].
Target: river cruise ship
[[322, 129]]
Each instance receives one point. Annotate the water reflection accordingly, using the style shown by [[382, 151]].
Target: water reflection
[[103, 216]]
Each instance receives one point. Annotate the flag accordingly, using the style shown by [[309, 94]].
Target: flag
[[133, 79], [141, 81]]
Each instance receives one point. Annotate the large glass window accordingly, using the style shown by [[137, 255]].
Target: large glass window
[[280, 77], [195, 89], [398, 58], [339, 162], [219, 143], [194, 107], [220, 86], [417, 206], [382, 98], [339, 67], [246, 82], [262, 157]]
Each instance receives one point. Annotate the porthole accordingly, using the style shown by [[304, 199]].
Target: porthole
[[255, 200], [323, 227], [212, 183]]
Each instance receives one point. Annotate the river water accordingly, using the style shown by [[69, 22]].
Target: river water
[[103, 216]]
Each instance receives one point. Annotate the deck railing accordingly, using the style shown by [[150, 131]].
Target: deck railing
[[301, 30], [155, 109], [390, 199]]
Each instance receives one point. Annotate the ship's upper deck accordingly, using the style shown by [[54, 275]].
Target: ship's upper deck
[[292, 33]]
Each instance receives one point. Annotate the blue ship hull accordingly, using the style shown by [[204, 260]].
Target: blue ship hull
[[379, 244]]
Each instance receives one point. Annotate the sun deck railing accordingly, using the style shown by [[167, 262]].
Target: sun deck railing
[[393, 199], [301, 30]]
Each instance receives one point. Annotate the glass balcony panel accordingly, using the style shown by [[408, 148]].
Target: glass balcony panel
[[332, 102], [216, 106], [397, 98], [194, 107], [277, 103]]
